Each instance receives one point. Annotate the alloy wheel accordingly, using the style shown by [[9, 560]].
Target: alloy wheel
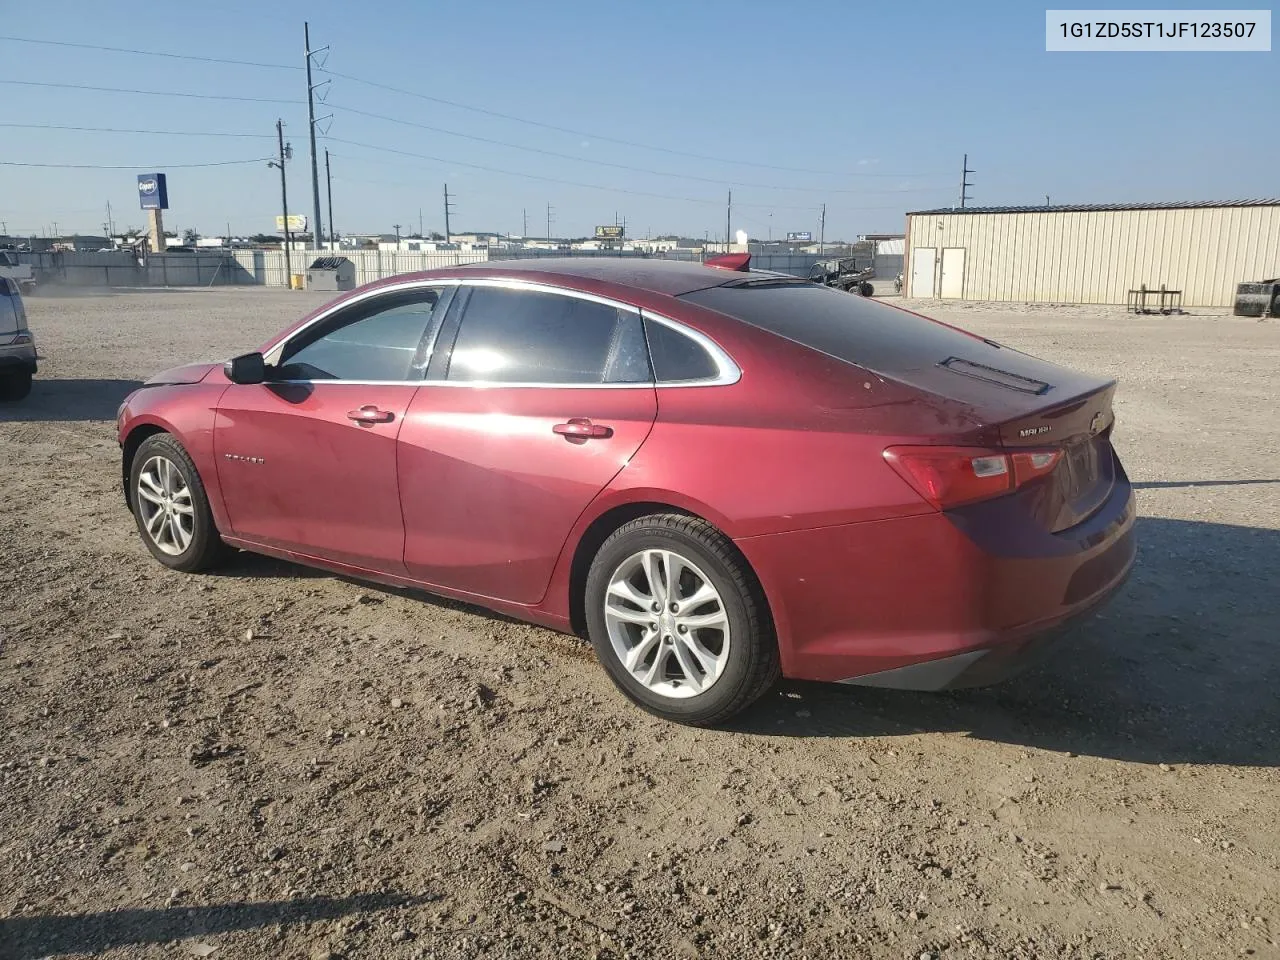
[[164, 503], [667, 623]]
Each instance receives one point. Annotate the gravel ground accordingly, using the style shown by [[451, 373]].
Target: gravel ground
[[271, 762]]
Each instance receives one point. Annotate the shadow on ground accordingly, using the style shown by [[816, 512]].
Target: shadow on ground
[[68, 400], [32, 937], [1183, 666], [244, 564]]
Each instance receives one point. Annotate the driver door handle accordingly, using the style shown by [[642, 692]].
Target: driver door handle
[[370, 413]]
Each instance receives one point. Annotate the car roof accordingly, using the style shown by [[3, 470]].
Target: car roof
[[670, 277]]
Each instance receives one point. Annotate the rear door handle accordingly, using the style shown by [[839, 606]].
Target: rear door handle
[[580, 428], [369, 413]]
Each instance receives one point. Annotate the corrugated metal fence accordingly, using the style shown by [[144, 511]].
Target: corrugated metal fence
[[267, 267]]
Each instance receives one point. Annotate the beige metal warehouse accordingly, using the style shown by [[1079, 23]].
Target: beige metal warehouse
[[1095, 253]]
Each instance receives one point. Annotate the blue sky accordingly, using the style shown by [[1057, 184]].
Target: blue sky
[[869, 111]]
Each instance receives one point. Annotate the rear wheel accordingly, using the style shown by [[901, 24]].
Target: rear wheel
[[679, 621], [15, 384], [171, 507], [866, 289]]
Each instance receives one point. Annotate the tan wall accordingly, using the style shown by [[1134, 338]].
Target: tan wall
[[1097, 257]]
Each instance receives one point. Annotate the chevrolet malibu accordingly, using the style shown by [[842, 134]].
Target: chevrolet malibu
[[717, 475]]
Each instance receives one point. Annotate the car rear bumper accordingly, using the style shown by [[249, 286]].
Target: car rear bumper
[[937, 601], [1005, 658], [19, 356]]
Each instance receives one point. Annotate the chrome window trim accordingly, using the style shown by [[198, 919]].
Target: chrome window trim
[[271, 355], [728, 372]]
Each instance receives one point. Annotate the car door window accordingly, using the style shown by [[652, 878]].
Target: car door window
[[526, 336], [384, 339]]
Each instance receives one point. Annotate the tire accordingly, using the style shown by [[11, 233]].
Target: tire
[[15, 385], [189, 548], [866, 289], [696, 673]]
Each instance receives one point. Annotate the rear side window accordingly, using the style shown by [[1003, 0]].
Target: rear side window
[[846, 326], [676, 357], [526, 336]]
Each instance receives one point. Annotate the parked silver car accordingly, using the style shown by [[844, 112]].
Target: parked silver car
[[17, 345]]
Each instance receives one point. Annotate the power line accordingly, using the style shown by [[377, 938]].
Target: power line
[[594, 136], [411, 93], [148, 93], [165, 133], [509, 173], [534, 176], [152, 53], [131, 166], [718, 181]]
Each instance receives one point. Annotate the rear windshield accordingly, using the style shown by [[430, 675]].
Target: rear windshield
[[846, 326]]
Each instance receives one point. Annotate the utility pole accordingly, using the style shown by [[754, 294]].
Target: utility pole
[[328, 177], [447, 207], [1046, 200], [728, 217], [311, 126], [397, 226], [548, 221], [822, 232], [284, 155], [964, 182], [524, 216], [111, 224], [228, 234]]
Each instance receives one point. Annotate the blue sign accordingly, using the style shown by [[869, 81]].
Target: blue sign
[[153, 191]]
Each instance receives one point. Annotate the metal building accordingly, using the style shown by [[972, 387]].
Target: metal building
[[1093, 253]]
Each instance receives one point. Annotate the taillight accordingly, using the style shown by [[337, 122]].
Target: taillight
[[950, 476]]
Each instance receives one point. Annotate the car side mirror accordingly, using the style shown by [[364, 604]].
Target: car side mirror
[[248, 368]]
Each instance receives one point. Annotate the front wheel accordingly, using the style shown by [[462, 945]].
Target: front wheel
[[679, 621], [866, 289], [171, 507]]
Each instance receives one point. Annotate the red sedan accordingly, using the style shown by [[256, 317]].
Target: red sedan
[[718, 476]]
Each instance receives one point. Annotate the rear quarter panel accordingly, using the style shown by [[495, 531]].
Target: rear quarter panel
[[797, 443]]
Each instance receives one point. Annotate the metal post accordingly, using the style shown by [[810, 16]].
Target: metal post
[[284, 207], [311, 129], [728, 217], [328, 177], [964, 182], [822, 232], [448, 237]]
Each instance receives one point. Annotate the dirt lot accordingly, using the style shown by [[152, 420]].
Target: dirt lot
[[276, 763]]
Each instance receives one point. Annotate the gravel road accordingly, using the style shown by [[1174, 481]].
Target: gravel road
[[275, 763]]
